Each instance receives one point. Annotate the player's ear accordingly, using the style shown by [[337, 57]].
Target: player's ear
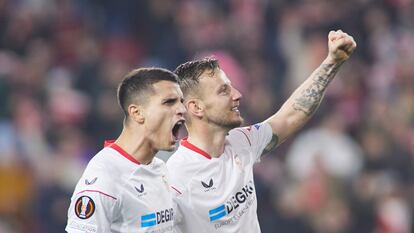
[[195, 107], [136, 112]]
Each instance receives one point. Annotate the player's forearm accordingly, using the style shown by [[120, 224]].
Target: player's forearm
[[304, 101], [307, 98], [300, 106]]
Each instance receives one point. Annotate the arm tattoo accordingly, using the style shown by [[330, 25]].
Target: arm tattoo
[[310, 98], [272, 144]]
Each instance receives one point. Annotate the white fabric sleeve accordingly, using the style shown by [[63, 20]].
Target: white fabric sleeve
[[91, 211], [256, 137], [94, 204]]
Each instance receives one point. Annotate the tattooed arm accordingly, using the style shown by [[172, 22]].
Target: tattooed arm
[[312, 92], [304, 101]]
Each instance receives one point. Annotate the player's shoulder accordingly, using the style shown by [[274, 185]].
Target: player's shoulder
[[240, 136], [247, 134], [184, 157], [106, 162], [103, 174], [98, 186], [183, 164], [158, 165], [158, 162]]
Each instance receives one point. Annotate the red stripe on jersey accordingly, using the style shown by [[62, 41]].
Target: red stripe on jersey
[[97, 191], [124, 153], [178, 191], [108, 142], [194, 148], [245, 135]]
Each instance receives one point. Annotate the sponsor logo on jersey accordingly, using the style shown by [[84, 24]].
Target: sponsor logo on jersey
[[208, 186], [156, 218], [140, 189], [84, 207], [87, 182], [257, 126], [217, 213], [232, 203]]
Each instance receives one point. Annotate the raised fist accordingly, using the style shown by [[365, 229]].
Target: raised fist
[[341, 45]]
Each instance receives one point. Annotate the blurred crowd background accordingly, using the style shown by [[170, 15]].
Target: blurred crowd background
[[350, 170]]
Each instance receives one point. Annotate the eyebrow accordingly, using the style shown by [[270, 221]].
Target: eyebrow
[[171, 97], [224, 86]]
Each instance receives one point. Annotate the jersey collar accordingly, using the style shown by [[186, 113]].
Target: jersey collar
[[113, 145], [194, 148]]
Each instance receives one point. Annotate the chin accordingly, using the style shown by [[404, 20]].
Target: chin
[[238, 122], [233, 124], [241, 121], [170, 147]]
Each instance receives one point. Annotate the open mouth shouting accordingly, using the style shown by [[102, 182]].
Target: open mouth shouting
[[176, 129]]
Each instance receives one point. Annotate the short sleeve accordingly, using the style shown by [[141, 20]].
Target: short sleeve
[[93, 205], [90, 211], [255, 137]]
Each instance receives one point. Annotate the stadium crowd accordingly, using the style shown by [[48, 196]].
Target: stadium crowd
[[351, 170]]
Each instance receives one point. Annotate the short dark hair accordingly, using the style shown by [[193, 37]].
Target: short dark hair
[[189, 73], [139, 81]]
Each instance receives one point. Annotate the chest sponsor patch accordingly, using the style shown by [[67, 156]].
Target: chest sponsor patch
[[156, 218], [84, 207], [234, 202]]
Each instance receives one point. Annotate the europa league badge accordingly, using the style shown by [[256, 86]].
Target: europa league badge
[[84, 207]]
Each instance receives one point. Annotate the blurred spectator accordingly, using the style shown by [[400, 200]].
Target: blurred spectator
[[60, 62], [327, 146]]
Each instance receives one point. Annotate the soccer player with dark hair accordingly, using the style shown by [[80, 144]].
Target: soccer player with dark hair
[[124, 188], [212, 170]]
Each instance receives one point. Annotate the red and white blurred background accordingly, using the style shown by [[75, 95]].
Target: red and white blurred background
[[350, 170]]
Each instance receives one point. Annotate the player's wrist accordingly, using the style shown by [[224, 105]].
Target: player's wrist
[[331, 60]]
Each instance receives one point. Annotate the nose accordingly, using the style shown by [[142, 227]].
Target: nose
[[181, 109], [236, 95]]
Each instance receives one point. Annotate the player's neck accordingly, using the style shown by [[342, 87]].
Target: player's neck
[[136, 145], [209, 139]]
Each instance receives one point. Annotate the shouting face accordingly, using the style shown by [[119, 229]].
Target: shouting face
[[164, 115]]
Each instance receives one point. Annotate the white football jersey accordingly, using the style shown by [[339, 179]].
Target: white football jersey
[[118, 194], [218, 194]]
